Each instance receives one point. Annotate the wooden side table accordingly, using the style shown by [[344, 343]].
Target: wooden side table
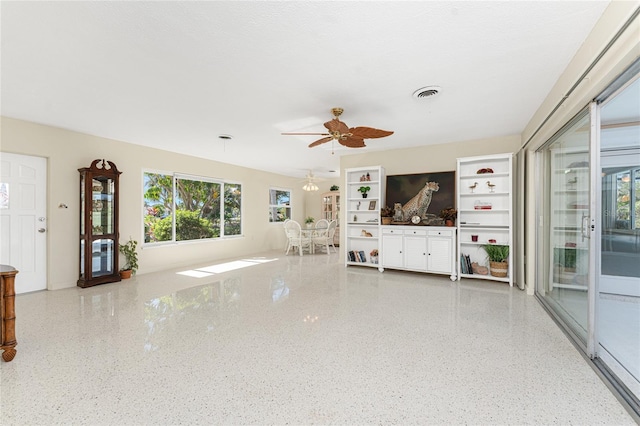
[[8, 312]]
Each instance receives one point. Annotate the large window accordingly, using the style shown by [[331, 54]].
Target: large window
[[185, 208], [279, 205]]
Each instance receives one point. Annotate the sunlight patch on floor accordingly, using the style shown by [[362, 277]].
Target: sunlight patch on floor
[[207, 271]]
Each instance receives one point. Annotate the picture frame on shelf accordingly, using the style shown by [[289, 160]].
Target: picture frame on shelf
[[372, 205]]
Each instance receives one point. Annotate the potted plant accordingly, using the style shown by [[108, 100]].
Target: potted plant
[[309, 221], [386, 213], [130, 267], [364, 190], [334, 188], [449, 215], [498, 256]]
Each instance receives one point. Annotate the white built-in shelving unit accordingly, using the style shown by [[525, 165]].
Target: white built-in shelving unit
[[362, 215], [485, 210]]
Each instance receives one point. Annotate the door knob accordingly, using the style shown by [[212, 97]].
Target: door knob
[[41, 230]]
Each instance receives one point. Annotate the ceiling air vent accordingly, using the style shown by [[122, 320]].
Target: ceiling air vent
[[426, 92]]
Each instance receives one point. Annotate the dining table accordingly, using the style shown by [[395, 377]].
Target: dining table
[[309, 233]]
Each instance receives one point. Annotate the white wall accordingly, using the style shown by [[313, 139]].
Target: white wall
[[67, 151]]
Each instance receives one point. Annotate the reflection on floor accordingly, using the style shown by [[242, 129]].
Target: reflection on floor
[[618, 325], [296, 340]]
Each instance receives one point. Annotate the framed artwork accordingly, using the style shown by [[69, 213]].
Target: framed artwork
[[372, 205], [402, 188]]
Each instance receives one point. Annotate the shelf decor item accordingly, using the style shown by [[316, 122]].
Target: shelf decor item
[[364, 190], [484, 171], [449, 215], [498, 256], [374, 256], [386, 213]]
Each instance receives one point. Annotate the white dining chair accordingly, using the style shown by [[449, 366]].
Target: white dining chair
[[296, 240], [324, 237], [322, 224]]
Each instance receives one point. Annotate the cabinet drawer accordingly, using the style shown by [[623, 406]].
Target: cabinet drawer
[[389, 231], [441, 233], [421, 232]]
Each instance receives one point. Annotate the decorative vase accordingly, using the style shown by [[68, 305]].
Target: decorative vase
[[448, 222], [498, 269]]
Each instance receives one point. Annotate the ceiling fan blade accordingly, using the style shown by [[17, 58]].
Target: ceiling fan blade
[[317, 134], [320, 141], [351, 142], [368, 132], [332, 125]]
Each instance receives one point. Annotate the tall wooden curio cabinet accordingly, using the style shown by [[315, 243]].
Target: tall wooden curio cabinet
[[99, 224]]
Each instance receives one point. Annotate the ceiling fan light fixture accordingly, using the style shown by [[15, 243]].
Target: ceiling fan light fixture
[[427, 92], [310, 186]]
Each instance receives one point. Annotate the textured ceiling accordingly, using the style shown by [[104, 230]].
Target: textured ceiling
[[175, 75]]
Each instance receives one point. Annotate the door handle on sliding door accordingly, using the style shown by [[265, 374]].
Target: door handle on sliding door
[[584, 227]]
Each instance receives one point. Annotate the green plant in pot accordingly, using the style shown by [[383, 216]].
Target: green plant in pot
[[129, 250], [363, 190], [498, 256], [309, 221]]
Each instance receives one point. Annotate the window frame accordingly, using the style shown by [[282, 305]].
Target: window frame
[[288, 207], [174, 178]]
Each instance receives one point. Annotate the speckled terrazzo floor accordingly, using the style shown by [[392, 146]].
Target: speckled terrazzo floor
[[295, 340]]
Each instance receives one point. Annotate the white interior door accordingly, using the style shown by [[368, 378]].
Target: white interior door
[[23, 222]]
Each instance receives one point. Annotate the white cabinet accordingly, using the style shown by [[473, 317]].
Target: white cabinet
[[392, 248], [362, 215], [485, 211], [415, 250], [331, 211], [419, 248], [441, 249]]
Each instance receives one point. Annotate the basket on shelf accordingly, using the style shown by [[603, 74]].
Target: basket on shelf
[[499, 269]]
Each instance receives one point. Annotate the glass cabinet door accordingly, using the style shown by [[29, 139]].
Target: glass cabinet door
[[103, 206], [98, 224]]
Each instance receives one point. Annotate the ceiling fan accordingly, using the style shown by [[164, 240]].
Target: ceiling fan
[[350, 137]]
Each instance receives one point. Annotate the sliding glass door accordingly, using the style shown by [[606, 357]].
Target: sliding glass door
[[566, 232], [589, 231], [618, 278]]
